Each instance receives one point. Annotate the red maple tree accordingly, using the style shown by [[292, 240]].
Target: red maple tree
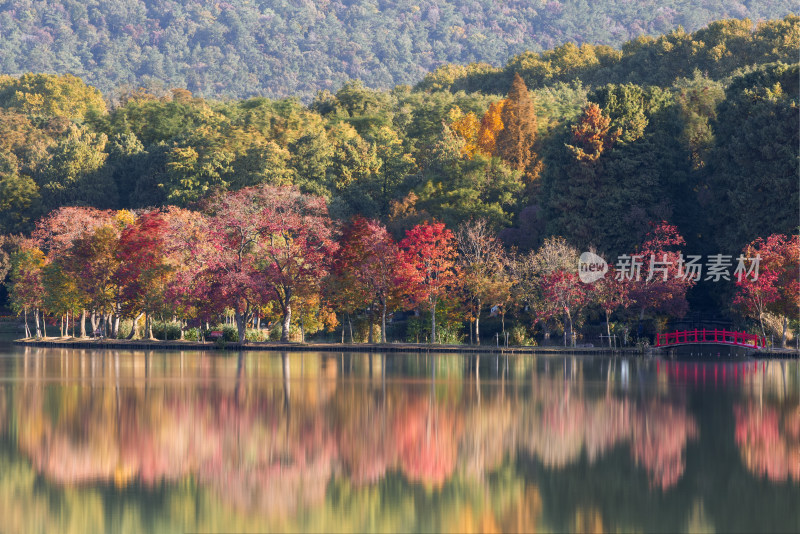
[[368, 269], [429, 250]]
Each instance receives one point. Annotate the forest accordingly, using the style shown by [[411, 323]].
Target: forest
[[278, 48], [466, 197]]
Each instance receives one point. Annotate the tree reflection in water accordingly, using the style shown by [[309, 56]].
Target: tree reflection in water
[[289, 439]]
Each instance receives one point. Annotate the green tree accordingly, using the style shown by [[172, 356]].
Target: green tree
[[753, 165], [75, 173], [49, 95]]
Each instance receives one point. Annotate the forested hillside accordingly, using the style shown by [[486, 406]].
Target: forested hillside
[[597, 162], [280, 48]]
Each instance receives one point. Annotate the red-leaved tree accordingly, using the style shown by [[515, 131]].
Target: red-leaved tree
[[662, 284], [144, 273], [776, 288], [234, 277], [429, 249], [296, 246], [368, 269], [269, 244]]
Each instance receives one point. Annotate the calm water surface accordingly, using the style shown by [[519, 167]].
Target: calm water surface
[[120, 441]]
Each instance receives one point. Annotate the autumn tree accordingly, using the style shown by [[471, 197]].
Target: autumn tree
[[235, 280], [61, 297], [592, 134], [483, 265], [657, 272], [94, 256], [187, 250], [467, 127], [430, 251], [369, 268], [57, 232], [775, 288], [490, 127], [296, 247], [272, 244], [515, 142], [610, 294], [49, 95], [143, 274], [546, 281], [26, 289]]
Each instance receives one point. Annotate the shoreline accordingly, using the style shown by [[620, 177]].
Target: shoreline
[[139, 344], [278, 346]]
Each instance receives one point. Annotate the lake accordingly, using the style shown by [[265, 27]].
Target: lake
[[135, 441]]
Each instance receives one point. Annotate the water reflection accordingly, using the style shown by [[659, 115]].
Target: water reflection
[[308, 441]]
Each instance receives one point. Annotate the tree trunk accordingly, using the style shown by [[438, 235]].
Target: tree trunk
[[27, 330], [783, 338], [383, 322], [571, 331], [115, 329], [148, 326], [183, 329], [44, 323], [287, 322], [134, 326], [36, 320], [608, 328], [83, 323], [350, 326], [569, 337], [477, 324], [370, 335], [639, 326], [761, 322], [241, 325], [94, 322], [433, 323]]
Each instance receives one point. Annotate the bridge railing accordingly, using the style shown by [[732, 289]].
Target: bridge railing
[[723, 336]]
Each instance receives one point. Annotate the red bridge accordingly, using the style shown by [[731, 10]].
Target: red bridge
[[717, 337]]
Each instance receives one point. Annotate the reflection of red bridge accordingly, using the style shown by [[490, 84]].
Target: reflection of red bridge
[[714, 337]]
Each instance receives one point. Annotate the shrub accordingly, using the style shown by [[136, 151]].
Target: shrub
[[124, 328], [192, 334], [229, 333], [518, 336], [253, 334], [450, 334], [166, 331], [361, 331], [418, 330]]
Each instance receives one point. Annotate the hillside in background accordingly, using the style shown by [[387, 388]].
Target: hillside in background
[[279, 48]]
